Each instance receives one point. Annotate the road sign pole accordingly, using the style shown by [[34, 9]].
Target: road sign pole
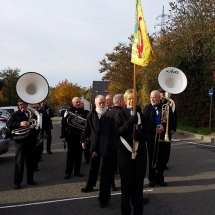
[[211, 95]]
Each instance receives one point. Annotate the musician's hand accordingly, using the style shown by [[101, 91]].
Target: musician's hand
[[63, 140], [24, 123], [172, 131], [160, 129], [83, 145], [94, 154]]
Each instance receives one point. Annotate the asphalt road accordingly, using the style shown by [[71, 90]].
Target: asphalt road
[[190, 191]]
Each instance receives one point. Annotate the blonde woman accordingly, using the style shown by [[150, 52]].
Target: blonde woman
[[132, 166]]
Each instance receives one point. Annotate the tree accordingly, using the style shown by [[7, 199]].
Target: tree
[[9, 96], [65, 91]]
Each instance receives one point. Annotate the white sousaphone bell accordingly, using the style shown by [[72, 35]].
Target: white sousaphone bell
[[32, 88], [173, 81]]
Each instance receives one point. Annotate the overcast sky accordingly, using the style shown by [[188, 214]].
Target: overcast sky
[[66, 39]]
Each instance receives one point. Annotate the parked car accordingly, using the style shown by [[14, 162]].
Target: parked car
[[4, 144], [63, 108]]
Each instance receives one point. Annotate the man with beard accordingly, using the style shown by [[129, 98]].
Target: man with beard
[[90, 130], [72, 135], [106, 145]]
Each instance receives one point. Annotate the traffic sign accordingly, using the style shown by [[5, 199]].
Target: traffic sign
[[210, 92]]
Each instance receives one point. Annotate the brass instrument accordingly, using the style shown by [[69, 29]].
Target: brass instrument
[[33, 123], [75, 120], [165, 119], [170, 102], [156, 148]]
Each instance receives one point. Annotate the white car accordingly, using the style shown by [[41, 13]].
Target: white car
[[63, 108]]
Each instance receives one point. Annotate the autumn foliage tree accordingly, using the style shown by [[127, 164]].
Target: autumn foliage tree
[[65, 91]]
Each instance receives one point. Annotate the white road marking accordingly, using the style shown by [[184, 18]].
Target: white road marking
[[61, 200]]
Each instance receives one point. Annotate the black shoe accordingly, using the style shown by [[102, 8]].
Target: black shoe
[[86, 189], [166, 168], [17, 186], [103, 204], [162, 183], [145, 201], [79, 174], [67, 176], [32, 182], [151, 184], [114, 188], [49, 152]]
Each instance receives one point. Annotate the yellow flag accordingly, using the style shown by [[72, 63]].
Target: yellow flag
[[142, 53]]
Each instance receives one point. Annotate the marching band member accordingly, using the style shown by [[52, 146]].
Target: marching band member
[[163, 100], [153, 115], [72, 135], [90, 130], [106, 145], [48, 130], [24, 149], [132, 166]]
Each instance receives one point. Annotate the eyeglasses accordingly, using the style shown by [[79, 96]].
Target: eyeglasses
[[36, 107]]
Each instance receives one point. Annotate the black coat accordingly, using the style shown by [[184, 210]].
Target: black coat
[[14, 122], [68, 130], [150, 115], [91, 128], [106, 143], [125, 130], [49, 114]]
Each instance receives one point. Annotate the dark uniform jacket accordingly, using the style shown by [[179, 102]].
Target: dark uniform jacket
[[50, 114], [14, 123], [68, 130], [45, 121], [150, 115], [106, 143], [91, 128], [124, 129]]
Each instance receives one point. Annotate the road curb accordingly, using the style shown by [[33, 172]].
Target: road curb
[[206, 138]]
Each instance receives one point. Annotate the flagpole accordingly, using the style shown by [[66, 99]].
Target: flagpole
[[134, 103]]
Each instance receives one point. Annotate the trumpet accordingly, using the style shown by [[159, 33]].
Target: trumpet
[[156, 147], [75, 120]]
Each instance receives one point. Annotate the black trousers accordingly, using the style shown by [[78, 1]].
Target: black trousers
[[74, 155], [107, 179], [39, 151], [167, 151], [25, 153], [132, 173], [94, 171], [48, 140], [87, 155], [156, 173]]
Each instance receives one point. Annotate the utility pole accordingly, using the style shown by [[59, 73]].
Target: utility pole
[[162, 24]]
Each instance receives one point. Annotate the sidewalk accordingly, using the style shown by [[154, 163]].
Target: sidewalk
[[210, 138]]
